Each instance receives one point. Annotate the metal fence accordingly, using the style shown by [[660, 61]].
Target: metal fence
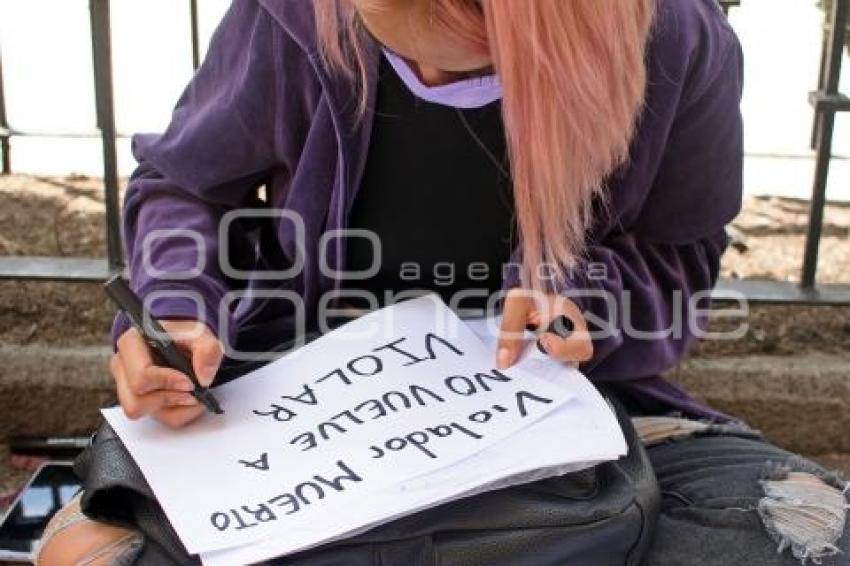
[[83, 269], [826, 100]]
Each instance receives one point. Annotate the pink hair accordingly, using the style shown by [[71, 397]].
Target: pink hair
[[574, 77]]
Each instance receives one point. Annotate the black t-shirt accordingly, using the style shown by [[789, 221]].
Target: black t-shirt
[[437, 193]]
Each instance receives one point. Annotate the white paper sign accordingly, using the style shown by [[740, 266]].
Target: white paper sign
[[392, 396], [576, 435]]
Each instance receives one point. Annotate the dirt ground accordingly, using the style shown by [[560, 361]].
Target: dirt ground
[[64, 216]]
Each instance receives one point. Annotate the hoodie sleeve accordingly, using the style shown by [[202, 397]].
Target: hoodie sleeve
[[216, 152], [648, 269]]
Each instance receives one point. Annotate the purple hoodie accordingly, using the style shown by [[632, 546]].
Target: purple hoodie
[[263, 108]]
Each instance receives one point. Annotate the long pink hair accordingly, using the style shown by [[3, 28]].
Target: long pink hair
[[573, 74]]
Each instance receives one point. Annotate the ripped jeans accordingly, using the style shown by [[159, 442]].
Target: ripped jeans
[[730, 498]]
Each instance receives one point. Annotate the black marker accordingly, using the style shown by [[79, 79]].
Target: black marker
[[158, 339], [560, 326]]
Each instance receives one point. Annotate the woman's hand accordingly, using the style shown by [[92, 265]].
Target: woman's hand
[[147, 389], [524, 309]]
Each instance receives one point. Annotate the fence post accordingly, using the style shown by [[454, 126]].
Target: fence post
[[102, 59], [825, 110], [196, 41], [5, 130]]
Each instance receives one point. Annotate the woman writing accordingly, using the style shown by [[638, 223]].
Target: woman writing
[[576, 158]]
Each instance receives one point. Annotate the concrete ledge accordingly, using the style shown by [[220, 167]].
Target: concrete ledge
[[46, 390], [800, 402]]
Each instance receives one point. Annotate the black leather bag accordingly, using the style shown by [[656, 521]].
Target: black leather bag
[[600, 516]]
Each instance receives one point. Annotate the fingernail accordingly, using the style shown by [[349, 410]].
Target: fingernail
[[208, 373], [185, 385], [503, 358]]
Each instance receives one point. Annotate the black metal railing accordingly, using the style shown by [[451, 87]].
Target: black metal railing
[[5, 146], [85, 269], [105, 107], [827, 101], [728, 5]]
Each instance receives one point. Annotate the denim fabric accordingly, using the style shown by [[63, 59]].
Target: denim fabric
[[710, 492]]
